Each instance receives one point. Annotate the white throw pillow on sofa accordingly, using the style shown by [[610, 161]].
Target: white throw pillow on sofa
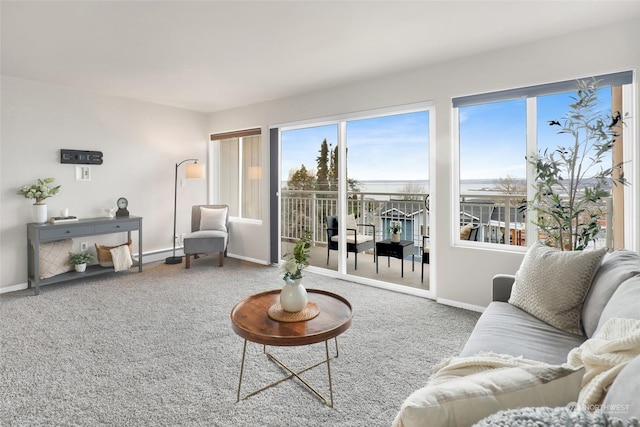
[[466, 400], [552, 284]]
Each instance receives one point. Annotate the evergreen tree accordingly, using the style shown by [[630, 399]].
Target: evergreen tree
[[322, 174], [301, 179], [333, 170]]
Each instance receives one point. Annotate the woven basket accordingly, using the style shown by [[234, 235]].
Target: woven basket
[[104, 253]]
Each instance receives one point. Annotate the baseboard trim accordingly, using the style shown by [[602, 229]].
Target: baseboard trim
[[148, 257], [459, 304]]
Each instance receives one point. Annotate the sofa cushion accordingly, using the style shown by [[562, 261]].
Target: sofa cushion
[[552, 284], [468, 399], [623, 303], [616, 267], [506, 329], [622, 397]]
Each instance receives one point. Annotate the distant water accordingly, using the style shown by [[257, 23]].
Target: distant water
[[466, 186], [485, 187]]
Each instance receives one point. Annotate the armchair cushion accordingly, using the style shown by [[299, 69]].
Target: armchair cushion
[[465, 231], [213, 219], [353, 237]]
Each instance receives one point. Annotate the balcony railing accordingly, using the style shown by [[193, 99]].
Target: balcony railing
[[502, 219]]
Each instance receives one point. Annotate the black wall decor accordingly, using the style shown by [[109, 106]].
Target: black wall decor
[[80, 157]]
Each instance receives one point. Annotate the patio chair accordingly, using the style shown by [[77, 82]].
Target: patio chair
[[356, 242], [467, 232], [209, 232]]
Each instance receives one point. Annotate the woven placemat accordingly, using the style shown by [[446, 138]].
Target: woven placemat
[[276, 312]]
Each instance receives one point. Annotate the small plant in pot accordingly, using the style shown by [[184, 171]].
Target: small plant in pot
[[80, 260], [395, 228]]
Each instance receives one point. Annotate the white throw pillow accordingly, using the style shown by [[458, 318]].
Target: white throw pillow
[[351, 224], [213, 219], [54, 258], [552, 284], [464, 401]]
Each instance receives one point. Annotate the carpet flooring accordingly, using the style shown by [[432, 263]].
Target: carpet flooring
[[156, 349]]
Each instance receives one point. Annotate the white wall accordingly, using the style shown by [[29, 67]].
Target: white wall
[[141, 143], [600, 51]]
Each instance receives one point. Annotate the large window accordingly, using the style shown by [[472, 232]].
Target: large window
[[497, 133], [240, 172]]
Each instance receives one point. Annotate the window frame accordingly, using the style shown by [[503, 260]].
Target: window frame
[[624, 79], [215, 158]]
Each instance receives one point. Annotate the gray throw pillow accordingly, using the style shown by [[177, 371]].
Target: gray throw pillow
[[552, 284], [560, 416]]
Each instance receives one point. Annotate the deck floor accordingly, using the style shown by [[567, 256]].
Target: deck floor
[[388, 271]]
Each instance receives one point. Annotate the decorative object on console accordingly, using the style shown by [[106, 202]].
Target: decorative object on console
[[105, 258], [193, 171], [40, 191], [122, 211], [61, 219], [293, 297], [109, 212], [54, 258], [80, 260]]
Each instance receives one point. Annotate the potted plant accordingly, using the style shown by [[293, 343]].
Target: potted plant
[[395, 228], [293, 297], [80, 260], [39, 191], [571, 181]]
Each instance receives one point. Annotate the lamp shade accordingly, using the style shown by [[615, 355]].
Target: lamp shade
[[194, 171]]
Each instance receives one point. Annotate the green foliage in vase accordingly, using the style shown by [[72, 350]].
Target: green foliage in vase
[[41, 190], [298, 260], [571, 180]]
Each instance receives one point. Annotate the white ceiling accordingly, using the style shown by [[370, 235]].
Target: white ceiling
[[214, 55]]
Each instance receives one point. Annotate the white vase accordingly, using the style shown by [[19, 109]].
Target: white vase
[[80, 268], [40, 212], [293, 296], [395, 237]]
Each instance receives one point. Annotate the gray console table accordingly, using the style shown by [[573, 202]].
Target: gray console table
[[41, 233]]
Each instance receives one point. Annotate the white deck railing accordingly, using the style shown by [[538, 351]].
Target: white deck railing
[[307, 210]]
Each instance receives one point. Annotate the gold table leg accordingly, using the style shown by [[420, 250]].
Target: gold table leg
[[293, 374]]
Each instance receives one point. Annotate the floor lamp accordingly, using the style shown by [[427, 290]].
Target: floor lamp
[[194, 170]]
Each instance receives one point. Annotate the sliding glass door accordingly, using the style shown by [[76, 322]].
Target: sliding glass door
[[346, 182], [309, 189]]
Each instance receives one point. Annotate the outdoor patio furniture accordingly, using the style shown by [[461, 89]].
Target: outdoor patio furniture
[[356, 242]]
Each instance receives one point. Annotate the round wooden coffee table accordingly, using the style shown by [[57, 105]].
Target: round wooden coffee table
[[250, 320]]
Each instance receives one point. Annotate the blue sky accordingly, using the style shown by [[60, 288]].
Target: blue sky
[[385, 148], [493, 136], [396, 147]]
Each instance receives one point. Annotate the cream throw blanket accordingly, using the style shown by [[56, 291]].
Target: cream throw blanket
[[121, 258], [458, 367], [604, 356]]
